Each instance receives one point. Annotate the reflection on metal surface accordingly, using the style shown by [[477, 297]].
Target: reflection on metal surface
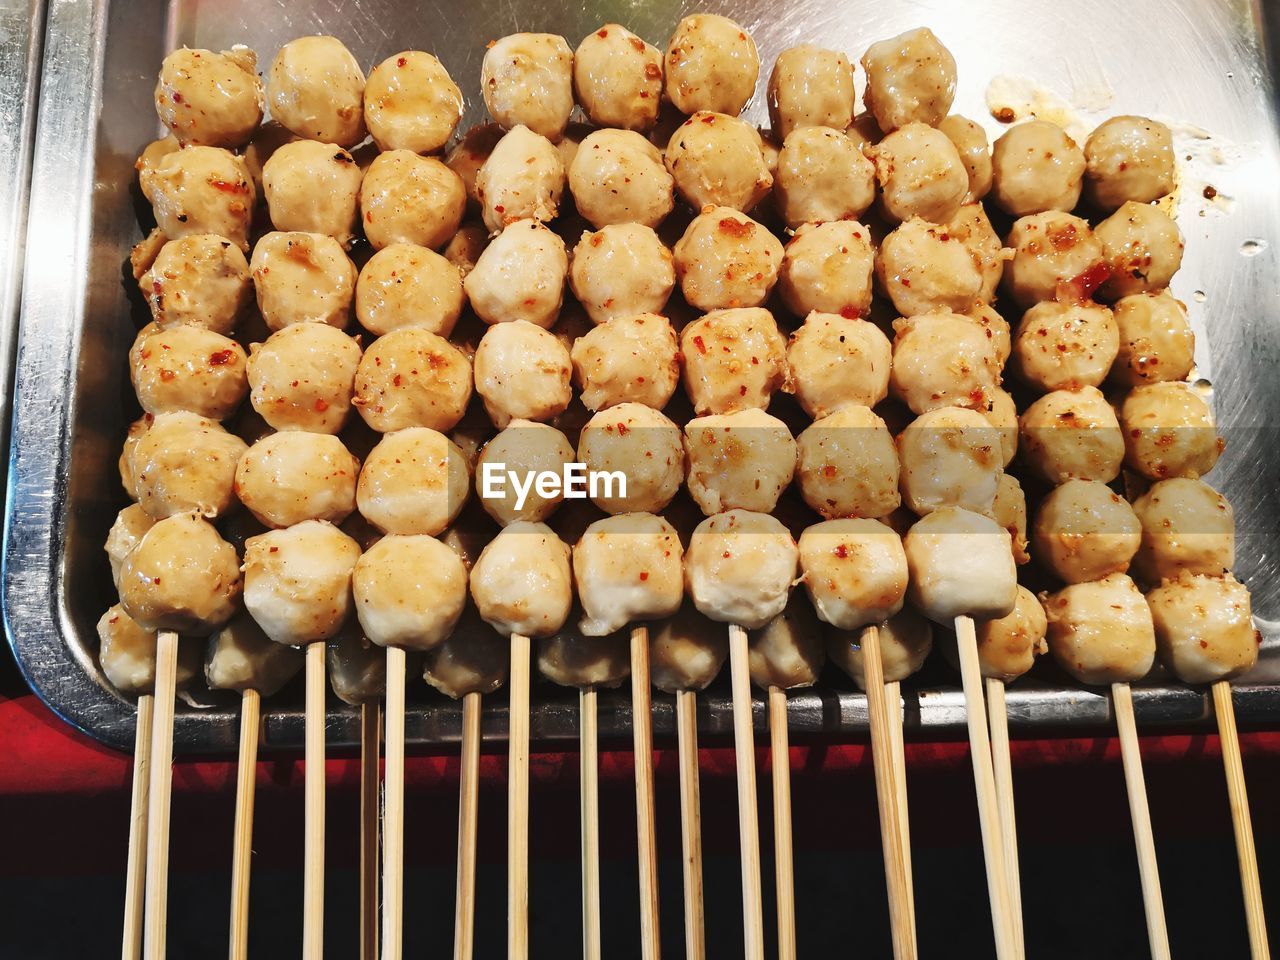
[[1208, 71]]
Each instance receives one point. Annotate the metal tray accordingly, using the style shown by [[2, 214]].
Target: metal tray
[[1200, 62]]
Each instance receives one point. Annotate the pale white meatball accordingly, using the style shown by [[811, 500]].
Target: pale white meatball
[[210, 99], [622, 270], [1053, 253], [357, 668], [1036, 167], [412, 378], [950, 456], [821, 176], [475, 658], [414, 481], [520, 276], [617, 176], [531, 448], [740, 567], [570, 659], [405, 198], [717, 160], [411, 103], [527, 78], [1186, 525], [523, 178], [960, 565], [855, 571], [289, 477], [185, 463], [181, 576], [827, 267], [1101, 632], [942, 359], [303, 378], [409, 591], [810, 87], [627, 360], [1072, 433], [1084, 530], [627, 568], [242, 657], [1142, 246], [738, 461], [521, 582], [994, 327], [905, 641], [127, 654], [130, 525], [297, 581], [467, 156], [733, 360], [405, 285], [1009, 509], [618, 78], [712, 64], [975, 153], [188, 368], [1169, 432], [837, 362], [1008, 646], [848, 465], [911, 78], [313, 187], [203, 190], [522, 372], [920, 174], [643, 446], [787, 652], [1002, 413], [202, 280], [925, 267], [1204, 627], [1128, 158], [1156, 341], [303, 278], [315, 88], [972, 227], [1065, 346], [685, 651], [725, 259]]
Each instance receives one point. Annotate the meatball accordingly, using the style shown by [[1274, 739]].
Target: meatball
[[522, 179], [475, 658], [685, 651], [627, 567], [942, 359], [1186, 525], [527, 78], [303, 378], [1101, 632], [1128, 158], [972, 227], [181, 576], [405, 285], [297, 581], [570, 659], [848, 465], [1084, 531], [854, 570], [520, 276], [837, 362], [920, 174], [1169, 432], [303, 278], [950, 456], [127, 654], [1065, 346], [357, 668], [1036, 167], [210, 99], [733, 360], [128, 480], [975, 153], [726, 259], [905, 641], [643, 446], [712, 64], [149, 161], [241, 657], [994, 327], [1009, 509], [313, 187], [201, 280], [740, 567], [738, 461], [822, 176], [464, 250], [521, 582], [717, 160], [925, 267], [203, 190], [621, 270], [618, 78], [617, 176], [1008, 646], [412, 378], [1156, 342], [1142, 246], [405, 198], [185, 463], [1053, 253], [522, 372], [130, 525], [414, 481], [188, 368], [827, 267], [1002, 413], [627, 360], [1204, 627], [960, 565], [1072, 433], [286, 478], [467, 156], [409, 591], [315, 88], [787, 651], [532, 448], [411, 103], [810, 87], [911, 78]]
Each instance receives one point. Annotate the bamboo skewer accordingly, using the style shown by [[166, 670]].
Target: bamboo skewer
[[468, 800], [393, 810], [690, 824], [136, 871], [314, 778], [370, 742], [893, 700], [518, 803], [589, 773], [748, 825], [242, 845], [784, 870], [998, 718], [160, 793], [646, 835]]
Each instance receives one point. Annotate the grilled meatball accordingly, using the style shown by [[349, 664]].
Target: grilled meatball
[[289, 477], [1128, 158], [1169, 432], [920, 173], [627, 360], [210, 99], [413, 482], [905, 641], [184, 463], [303, 278], [533, 448], [313, 187], [1054, 253], [838, 362], [717, 160], [712, 64], [571, 659], [641, 444], [201, 280], [412, 378], [740, 567], [942, 359], [626, 568], [474, 658], [787, 651], [1142, 246], [527, 78], [1072, 433], [685, 651], [405, 285], [854, 570], [1036, 167], [241, 657], [733, 360], [1204, 627], [1186, 525], [1101, 632], [1156, 341], [181, 576], [617, 176], [315, 88], [960, 564], [1084, 531], [521, 582], [297, 581], [127, 654], [810, 87], [1002, 413], [303, 377], [130, 525], [357, 668], [926, 267], [522, 372], [621, 270], [202, 190], [738, 461], [1065, 346], [520, 276], [822, 176], [975, 153], [618, 78], [848, 465], [911, 78], [950, 457], [1008, 646], [1009, 509], [188, 368], [826, 267], [405, 198], [411, 103], [409, 591], [725, 259], [523, 178]]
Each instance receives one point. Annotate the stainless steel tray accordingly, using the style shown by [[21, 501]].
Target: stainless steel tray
[[1200, 62]]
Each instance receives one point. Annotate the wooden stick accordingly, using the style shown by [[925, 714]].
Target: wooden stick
[[518, 803], [646, 833], [744, 748], [1136, 785], [691, 824], [468, 805], [895, 875], [370, 744], [589, 773], [985, 785], [893, 700], [1241, 821], [393, 810], [313, 822], [136, 870], [784, 866], [160, 794], [998, 718], [242, 844]]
